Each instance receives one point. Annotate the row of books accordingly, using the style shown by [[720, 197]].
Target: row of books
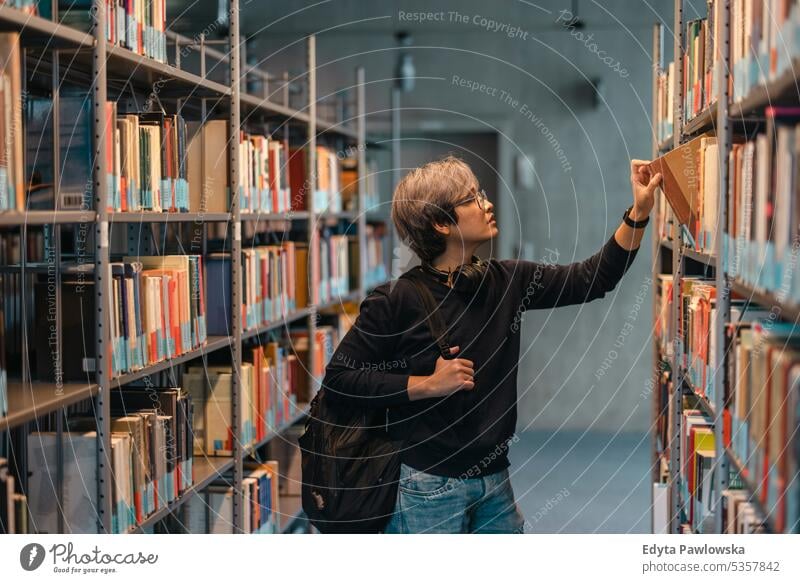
[[330, 269], [739, 514], [11, 246], [13, 505], [763, 230], [269, 282], [701, 55], [327, 197], [764, 42], [138, 25], [211, 510], [697, 327], [265, 175], [702, 52], [762, 424], [151, 462], [697, 468], [351, 180], [146, 161], [695, 338], [274, 284], [158, 309], [665, 100], [761, 421], [12, 178], [274, 379], [155, 161], [663, 329]]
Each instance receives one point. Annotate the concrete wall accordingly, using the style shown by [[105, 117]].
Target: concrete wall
[[537, 95]]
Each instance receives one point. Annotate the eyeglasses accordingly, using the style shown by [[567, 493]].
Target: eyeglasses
[[480, 196]]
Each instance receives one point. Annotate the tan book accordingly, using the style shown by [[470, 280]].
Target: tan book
[[207, 166], [681, 179], [301, 275]]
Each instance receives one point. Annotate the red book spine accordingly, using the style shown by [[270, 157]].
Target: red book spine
[[174, 316]]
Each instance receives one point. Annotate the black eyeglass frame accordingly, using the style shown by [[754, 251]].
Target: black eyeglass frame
[[479, 196]]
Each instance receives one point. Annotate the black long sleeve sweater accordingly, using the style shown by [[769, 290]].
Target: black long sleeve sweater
[[465, 434]]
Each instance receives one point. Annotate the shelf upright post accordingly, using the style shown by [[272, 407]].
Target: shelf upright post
[[655, 464], [102, 271], [237, 397], [361, 125], [311, 188], [677, 273], [55, 246], [723, 291]]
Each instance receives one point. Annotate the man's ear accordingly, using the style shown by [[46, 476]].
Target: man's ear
[[443, 229]]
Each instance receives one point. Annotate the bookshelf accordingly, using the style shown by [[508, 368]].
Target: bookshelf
[[732, 121], [218, 83]]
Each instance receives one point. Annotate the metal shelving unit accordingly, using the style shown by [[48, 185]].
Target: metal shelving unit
[[723, 117], [109, 64], [716, 117]]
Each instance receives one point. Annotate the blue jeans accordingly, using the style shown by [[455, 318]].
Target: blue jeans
[[437, 504]]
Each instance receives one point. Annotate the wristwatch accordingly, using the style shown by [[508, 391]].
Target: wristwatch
[[631, 223]]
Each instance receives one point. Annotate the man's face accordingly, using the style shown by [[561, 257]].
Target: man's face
[[476, 221]]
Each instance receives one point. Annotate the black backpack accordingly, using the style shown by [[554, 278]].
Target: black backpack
[[350, 464]]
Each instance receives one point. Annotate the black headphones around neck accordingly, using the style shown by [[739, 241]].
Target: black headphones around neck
[[465, 278]]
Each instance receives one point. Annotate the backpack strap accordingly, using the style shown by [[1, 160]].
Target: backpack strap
[[435, 321]]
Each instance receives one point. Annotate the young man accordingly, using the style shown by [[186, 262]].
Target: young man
[[458, 415]]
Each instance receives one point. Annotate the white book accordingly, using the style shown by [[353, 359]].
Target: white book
[[660, 508]]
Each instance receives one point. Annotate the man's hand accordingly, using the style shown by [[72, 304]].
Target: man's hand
[[644, 185], [449, 377]]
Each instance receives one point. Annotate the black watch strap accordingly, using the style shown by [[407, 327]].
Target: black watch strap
[[631, 223]]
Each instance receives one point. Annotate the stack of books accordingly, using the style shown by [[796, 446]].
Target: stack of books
[[764, 42], [270, 278], [762, 236], [158, 309], [269, 384], [151, 462], [211, 511], [665, 100], [762, 424], [265, 176], [331, 270], [138, 25], [697, 470], [146, 161], [328, 195], [702, 53]]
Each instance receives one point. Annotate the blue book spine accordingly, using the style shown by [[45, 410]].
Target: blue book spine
[[217, 321]]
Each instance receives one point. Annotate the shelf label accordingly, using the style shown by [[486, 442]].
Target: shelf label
[[103, 234]]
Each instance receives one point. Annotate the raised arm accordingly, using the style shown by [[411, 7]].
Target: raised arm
[[546, 285]]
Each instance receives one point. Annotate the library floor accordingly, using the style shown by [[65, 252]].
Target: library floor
[[569, 482]]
